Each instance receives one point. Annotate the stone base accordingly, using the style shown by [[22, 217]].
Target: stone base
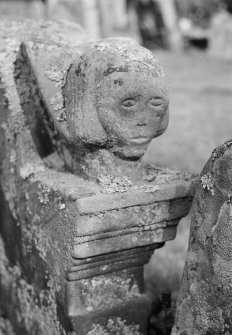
[[133, 316], [112, 300]]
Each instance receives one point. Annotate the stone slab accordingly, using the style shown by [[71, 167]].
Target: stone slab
[[106, 202], [127, 218], [124, 241], [99, 265]]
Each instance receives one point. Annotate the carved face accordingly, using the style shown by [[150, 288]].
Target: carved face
[[132, 107], [116, 98]]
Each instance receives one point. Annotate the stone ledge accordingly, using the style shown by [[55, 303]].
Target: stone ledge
[[124, 241], [128, 218], [112, 262], [103, 202]]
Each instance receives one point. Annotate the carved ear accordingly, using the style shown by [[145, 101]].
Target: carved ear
[[47, 64]]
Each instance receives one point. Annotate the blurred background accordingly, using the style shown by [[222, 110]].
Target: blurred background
[[193, 41]]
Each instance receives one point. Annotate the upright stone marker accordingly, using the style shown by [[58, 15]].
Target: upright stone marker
[[83, 214], [205, 302]]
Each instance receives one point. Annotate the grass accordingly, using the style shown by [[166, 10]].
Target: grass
[[200, 120]]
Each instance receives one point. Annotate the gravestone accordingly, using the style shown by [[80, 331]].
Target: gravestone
[[23, 9], [205, 302], [81, 213], [220, 35]]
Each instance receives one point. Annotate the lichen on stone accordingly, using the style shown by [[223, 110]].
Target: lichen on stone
[[115, 326], [58, 105], [111, 184], [108, 289], [57, 101], [43, 194], [219, 151], [208, 183], [33, 236], [36, 311], [7, 58], [55, 75]]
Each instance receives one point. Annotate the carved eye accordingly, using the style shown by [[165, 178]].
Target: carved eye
[[128, 103], [157, 101]]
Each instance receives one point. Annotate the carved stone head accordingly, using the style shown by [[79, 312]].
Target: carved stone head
[[116, 97]]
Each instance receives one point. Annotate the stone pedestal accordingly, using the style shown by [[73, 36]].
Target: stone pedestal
[[111, 285]]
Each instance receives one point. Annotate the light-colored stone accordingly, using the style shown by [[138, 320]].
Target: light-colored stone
[[220, 36], [101, 203]]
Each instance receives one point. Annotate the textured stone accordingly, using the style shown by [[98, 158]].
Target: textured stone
[[120, 118], [103, 295], [205, 301], [101, 203], [145, 215]]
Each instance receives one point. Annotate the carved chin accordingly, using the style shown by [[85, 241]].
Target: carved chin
[[130, 151]]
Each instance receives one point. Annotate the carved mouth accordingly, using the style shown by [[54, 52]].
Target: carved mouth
[[140, 140]]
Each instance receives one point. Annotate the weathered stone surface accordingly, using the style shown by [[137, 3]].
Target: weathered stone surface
[[102, 202], [32, 291], [205, 301], [22, 301], [104, 294], [65, 231], [88, 267], [145, 216]]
